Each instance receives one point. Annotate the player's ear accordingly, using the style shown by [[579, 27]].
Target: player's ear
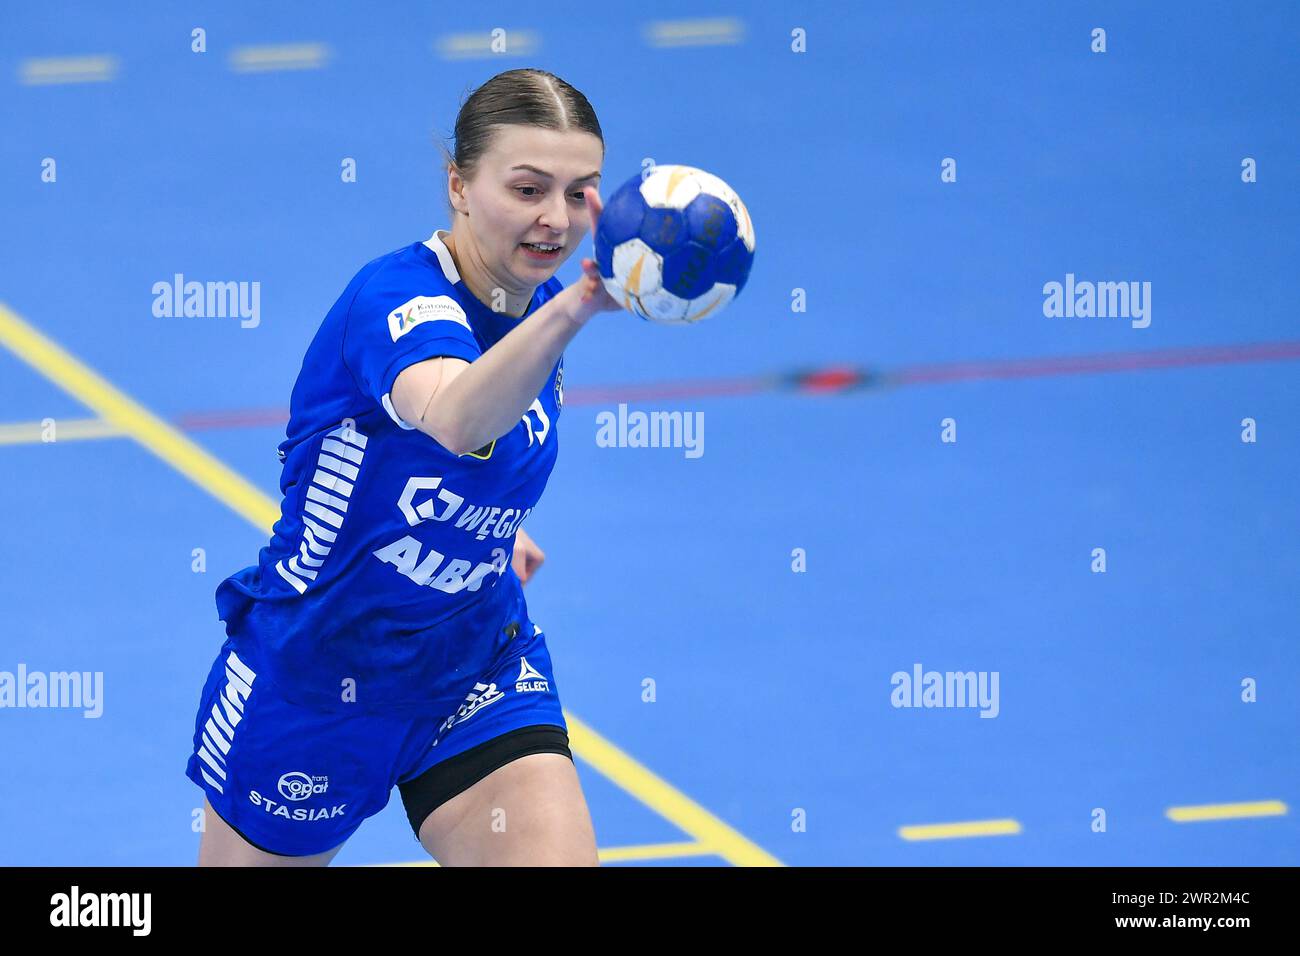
[[456, 189]]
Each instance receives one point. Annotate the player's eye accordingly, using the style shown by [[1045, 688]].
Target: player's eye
[[535, 192]]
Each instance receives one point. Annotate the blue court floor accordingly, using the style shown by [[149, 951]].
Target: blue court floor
[[907, 466]]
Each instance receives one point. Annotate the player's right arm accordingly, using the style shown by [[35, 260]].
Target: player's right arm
[[415, 390], [464, 405], [418, 358]]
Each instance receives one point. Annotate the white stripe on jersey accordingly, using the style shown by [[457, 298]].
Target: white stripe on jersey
[[327, 500]]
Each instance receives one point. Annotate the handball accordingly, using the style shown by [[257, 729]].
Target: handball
[[674, 246]]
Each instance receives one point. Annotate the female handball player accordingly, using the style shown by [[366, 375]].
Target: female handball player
[[382, 638]]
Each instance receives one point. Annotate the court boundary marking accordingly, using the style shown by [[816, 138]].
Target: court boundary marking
[[212, 475], [614, 854]]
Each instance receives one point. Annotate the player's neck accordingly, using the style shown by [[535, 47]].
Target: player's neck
[[477, 278]]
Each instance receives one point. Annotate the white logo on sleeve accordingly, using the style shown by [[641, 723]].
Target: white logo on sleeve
[[424, 308]]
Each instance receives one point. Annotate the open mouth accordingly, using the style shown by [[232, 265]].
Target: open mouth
[[542, 251]]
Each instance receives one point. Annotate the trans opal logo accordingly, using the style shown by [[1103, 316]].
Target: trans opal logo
[[296, 785]]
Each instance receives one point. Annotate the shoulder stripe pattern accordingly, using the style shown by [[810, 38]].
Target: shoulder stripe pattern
[[327, 501]]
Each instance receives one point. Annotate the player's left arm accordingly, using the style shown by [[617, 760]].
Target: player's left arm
[[528, 557]]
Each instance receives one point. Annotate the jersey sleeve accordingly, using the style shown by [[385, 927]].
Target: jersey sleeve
[[390, 327]]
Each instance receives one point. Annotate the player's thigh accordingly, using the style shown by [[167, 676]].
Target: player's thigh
[[530, 812], [221, 845]]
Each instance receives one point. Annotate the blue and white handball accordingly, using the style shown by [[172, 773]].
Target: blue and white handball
[[675, 246]]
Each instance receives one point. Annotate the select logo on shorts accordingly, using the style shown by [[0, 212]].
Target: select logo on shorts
[[296, 785], [424, 308], [529, 679], [481, 696]]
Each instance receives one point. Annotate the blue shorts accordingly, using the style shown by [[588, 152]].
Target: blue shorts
[[297, 781]]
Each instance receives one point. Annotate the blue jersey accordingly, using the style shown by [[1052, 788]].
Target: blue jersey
[[387, 578]]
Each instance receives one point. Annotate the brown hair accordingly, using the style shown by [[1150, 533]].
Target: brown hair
[[527, 97]]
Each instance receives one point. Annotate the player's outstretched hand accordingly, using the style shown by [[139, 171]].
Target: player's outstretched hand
[[592, 296], [527, 557]]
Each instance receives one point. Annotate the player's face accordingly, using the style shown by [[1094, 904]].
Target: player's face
[[528, 189]]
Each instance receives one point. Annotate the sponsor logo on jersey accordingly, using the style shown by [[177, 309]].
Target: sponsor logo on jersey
[[278, 809], [296, 785], [425, 308], [559, 386], [479, 520], [529, 680]]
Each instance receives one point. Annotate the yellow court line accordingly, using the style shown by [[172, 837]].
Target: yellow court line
[[1226, 811], [949, 831], [287, 56], [620, 854], [653, 851], [227, 486], [149, 430], [64, 429], [465, 46], [41, 71], [697, 32], [664, 799]]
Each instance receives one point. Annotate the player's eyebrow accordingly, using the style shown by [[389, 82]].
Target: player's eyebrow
[[542, 172]]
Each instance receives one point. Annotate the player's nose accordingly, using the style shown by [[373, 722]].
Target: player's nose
[[556, 214]]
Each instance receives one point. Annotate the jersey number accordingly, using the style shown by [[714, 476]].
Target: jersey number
[[544, 426]]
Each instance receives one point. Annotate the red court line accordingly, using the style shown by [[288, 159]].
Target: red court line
[[841, 378], [687, 388], [238, 418], [658, 391], [1105, 362]]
